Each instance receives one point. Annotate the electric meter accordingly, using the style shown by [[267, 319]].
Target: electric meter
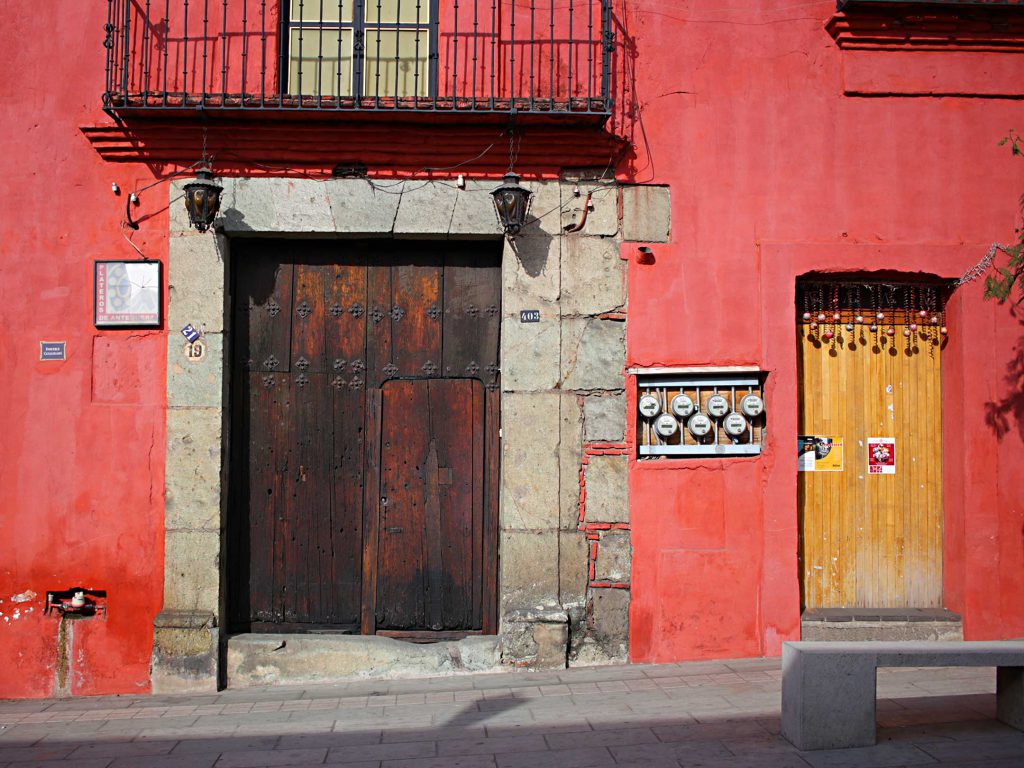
[[666, 425], [682, 406], [649, 406], [734, 424], [717, 406], [699, 425], [752, 406]]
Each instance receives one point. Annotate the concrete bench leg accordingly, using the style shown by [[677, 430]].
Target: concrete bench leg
[[1010, 696], [828, 700]]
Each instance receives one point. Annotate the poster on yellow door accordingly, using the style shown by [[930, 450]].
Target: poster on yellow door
[[881, 455], [819, 453]]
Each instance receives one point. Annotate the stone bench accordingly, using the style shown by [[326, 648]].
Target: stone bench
[[828, 688]]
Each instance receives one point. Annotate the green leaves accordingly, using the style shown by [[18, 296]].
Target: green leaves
[[999, 288]]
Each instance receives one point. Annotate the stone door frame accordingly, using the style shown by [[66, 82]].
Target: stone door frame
[[543, 553]]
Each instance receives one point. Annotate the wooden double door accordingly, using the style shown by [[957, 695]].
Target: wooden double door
[[364, 444]]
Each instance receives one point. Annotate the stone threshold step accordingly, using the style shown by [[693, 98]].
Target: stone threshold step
[[273, 659], [879, 614]]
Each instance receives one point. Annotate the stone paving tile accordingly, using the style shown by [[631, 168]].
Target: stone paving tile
[[258, 758], [121, 749], [397, 751], [696, 752], [705, 732], [586, 757], [968, 730], [166, 761], [40, 752], [976, 750], [328, 740], [467, 761], [757, 761], [489, 746], [878, 756], [99, 762], [436, 733], [216, 746], [542, 728], [601, 738]]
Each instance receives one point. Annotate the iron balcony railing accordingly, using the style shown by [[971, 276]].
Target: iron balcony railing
[[844, 4], [464, 56]]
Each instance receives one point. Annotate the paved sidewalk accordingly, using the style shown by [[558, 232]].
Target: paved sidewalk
[[696, 714]]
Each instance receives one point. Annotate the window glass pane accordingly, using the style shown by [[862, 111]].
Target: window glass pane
[[325, 64], [313, 11], [402, 68], [397, 11]]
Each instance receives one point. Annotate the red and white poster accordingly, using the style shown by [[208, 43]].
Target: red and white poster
[[881, 455]]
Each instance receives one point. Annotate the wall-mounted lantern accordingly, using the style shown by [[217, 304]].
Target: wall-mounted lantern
[[202, 199], [511, 203]]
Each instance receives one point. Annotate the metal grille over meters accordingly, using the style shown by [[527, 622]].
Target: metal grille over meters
[[699, 414]]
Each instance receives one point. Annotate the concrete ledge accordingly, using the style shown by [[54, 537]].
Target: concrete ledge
[[270, 659], [828, 689]]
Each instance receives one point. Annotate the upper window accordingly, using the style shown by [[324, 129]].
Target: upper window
[[361, 48]]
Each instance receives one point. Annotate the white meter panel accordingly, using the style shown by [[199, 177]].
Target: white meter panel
[[696, 413]]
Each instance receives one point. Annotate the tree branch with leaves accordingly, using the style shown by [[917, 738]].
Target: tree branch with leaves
[[1000, 288]]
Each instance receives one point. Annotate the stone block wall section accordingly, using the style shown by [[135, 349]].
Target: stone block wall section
[[564, 547]]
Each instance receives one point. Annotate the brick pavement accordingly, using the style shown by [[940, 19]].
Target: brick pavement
[[716, 714]]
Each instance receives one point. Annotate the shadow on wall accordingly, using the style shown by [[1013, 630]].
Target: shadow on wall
[[1008, 412]]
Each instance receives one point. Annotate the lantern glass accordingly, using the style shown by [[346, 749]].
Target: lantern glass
[[511, 203], [202, 199]]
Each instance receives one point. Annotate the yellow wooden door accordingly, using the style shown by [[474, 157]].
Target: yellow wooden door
[[872, 540]]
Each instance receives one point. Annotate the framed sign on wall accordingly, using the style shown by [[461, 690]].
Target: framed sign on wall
[[127, 293]]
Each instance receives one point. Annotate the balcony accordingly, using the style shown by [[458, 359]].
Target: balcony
[[461, 57]]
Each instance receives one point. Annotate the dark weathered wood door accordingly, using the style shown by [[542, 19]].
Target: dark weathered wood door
[[342, 353], [431, 506]]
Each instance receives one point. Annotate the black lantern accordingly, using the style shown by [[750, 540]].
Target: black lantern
[[511, 202], [202, 199]]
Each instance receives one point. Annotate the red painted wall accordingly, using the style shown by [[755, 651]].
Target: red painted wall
[[774, 172], [81, 441]]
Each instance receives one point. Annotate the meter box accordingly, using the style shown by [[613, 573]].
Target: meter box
[[686, 412]]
